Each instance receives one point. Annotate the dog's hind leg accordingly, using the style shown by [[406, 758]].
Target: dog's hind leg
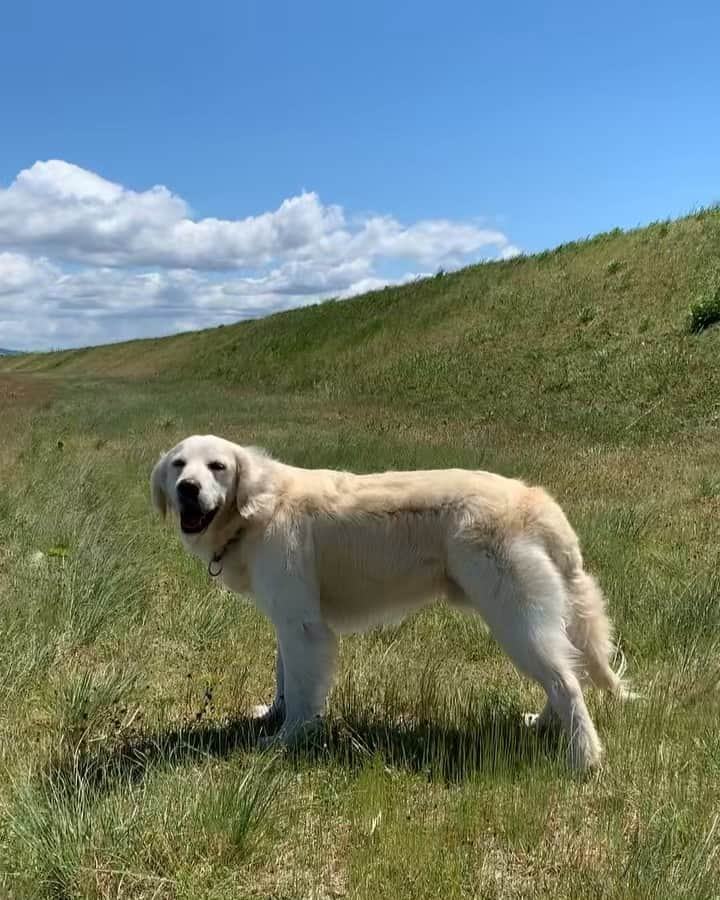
[[524, 603]]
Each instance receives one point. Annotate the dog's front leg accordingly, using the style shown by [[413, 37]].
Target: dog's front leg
[[273, 715], [309, 656]]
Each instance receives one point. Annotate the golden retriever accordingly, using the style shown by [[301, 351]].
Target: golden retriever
[[326, 552]]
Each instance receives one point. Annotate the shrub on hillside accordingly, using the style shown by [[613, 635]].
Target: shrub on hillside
[[705, 311]]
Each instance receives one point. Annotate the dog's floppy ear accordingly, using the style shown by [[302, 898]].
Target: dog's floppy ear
[[254, 495], [157, 486]]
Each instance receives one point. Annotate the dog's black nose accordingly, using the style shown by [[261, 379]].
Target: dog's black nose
[[187, 489]]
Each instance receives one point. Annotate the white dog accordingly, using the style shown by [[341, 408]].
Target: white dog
[[325, 552]]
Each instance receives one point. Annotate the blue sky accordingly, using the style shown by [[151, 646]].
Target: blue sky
[[411, 136]]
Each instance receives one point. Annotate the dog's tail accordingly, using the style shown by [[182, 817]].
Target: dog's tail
[[590, 631], [588, 626]]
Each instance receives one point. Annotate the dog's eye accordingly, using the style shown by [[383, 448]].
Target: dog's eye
[[179, 463], [217, 466]]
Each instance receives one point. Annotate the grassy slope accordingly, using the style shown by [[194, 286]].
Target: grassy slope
[[128, 769], [590, 336]]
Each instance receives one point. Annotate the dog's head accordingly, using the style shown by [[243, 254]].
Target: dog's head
[[204, 477]]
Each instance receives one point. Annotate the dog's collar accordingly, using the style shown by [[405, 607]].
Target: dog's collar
[[215, 566]]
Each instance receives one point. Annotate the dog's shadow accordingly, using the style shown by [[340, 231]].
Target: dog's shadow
[[490, 741]]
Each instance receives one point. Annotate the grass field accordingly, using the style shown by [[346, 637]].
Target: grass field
[[129, 767]]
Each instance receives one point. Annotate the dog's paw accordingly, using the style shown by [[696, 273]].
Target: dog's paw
[[265, 716], [293, 735], [585, 752], [264, 713], [543, 721]]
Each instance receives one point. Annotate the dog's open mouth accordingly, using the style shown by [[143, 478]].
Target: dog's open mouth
[[193, 520]]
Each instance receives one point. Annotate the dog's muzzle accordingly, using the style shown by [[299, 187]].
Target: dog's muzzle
[[193, 518]]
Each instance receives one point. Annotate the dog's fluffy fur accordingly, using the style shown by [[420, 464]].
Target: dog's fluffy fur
[[325, 552]]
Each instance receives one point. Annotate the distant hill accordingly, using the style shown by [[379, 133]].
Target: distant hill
[[5, 352]]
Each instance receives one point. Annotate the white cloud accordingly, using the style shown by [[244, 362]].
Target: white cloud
[[430, 243], [19, 274], [44, 307], [83, 259], [75, 215], [510, 251]]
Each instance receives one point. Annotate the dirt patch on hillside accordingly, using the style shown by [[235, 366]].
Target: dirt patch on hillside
[[17, 392], [21, 397]]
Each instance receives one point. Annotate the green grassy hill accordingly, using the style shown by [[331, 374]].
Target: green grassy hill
[[128, 766], [593, 335]]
